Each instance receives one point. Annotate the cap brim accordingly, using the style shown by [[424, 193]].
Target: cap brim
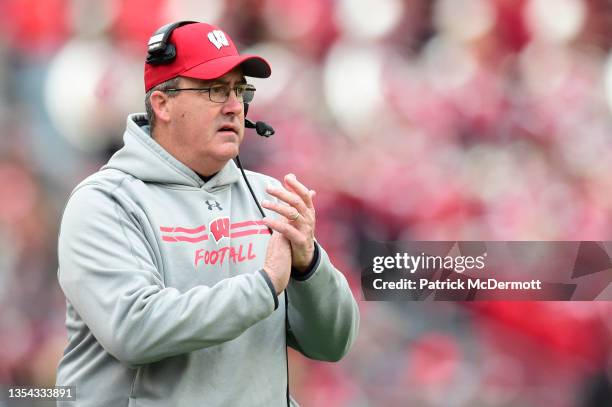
[[252, 65]]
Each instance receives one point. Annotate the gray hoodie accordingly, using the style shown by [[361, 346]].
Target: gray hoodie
[[166, 303]]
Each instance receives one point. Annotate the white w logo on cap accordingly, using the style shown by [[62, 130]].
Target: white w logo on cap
[[218, 39]]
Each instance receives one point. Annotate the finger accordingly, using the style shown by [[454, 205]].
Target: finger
[[287, 211], [278, 239], [291, 182], [289, 198], [286, 229]]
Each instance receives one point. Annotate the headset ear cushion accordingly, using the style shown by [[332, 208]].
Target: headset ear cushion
[[168, 55]]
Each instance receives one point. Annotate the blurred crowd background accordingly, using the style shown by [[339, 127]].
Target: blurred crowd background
[[413, 119]]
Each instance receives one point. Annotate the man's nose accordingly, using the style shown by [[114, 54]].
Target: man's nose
[[232, 104]]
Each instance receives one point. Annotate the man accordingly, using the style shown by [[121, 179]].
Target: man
[[172, 279]]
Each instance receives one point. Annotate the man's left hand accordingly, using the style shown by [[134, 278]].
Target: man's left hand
[[298, 219]]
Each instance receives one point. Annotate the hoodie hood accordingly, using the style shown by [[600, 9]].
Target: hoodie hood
[[142, 157]]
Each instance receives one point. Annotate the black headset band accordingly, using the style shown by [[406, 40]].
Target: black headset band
[[159, 51]]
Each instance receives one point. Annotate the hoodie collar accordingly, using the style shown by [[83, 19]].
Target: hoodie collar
[[142, 157]]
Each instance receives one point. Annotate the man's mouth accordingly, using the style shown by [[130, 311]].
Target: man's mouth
[[228, 127]]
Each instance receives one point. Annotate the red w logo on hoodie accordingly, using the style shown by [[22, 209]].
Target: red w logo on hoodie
[[219, 228]]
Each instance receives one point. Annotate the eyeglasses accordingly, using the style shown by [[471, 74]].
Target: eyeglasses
[[220, 93]]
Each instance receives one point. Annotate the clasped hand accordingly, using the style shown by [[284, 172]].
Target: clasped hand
[[297, 221]]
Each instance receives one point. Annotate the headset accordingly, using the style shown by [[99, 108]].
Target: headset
[[161, 52]]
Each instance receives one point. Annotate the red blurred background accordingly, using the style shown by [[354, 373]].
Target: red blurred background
[[414, 119]]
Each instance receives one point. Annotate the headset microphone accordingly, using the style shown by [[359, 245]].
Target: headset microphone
[[262, 128]]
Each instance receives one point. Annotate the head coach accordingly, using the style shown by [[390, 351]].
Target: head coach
[[181, 290]]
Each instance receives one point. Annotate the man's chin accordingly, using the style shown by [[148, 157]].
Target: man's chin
[[228, 152], [229, 136]]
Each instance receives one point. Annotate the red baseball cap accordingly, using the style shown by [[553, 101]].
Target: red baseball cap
[[203, 51]]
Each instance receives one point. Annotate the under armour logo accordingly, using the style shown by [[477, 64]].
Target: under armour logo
[[218, 39], [213, 204]]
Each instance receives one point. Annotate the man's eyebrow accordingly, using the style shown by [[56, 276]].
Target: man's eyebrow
[[226, 82]]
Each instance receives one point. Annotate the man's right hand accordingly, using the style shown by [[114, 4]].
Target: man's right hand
[[278, 261]]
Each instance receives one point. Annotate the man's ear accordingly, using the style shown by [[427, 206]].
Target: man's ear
[[160, 105]]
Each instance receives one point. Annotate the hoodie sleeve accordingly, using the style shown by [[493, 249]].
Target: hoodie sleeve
[[107, 273], [323, 315]]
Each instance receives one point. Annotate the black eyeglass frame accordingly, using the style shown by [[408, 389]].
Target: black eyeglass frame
[[248, 90]]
